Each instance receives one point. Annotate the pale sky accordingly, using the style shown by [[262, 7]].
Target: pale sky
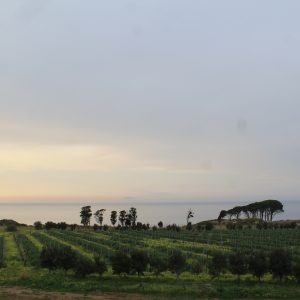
[[149, 100]]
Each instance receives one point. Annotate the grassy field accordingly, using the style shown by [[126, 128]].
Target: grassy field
[[21, 268]]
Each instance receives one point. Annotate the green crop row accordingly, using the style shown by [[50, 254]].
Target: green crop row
[[28, 251]]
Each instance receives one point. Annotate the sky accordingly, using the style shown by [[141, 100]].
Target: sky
[[157, 100]]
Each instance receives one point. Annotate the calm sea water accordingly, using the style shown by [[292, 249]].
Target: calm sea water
[[147, 212]]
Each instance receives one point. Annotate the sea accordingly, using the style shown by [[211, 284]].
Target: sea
[[148, 212]]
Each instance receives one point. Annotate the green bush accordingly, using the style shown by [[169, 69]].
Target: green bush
[[11, 228], [100, 265], [139, 261], [177, 263], [84, 266], [38, 225], [121, 263], [238, 264], [280, 263], [258, 264], [217, 265], [158, 264], [54, 257]]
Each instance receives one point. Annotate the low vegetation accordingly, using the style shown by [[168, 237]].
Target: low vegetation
[[209, 259]]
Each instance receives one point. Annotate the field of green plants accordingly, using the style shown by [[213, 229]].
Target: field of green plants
[[20, 261]]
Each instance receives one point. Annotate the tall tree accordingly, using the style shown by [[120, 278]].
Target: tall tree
[[99, 216], [122, 217], [189, 215], [265, 210], [222, 215], [85, 215], [128, 220], [113, 217], [133, 216]]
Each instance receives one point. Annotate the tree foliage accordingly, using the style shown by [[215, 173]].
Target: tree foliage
[[280, 263], [121, 263], [217, 265], [122, 217], [85, 215], [264, 210], [258, 264], [38, 225], [100, 265], [238, 264], [177, 263], [99, 216], [139, 261], [113, 217]]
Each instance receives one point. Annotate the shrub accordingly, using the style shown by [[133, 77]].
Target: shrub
[[158, 264], [258, 264], [47, 258], [121, 263], [230, 226], [58, 258], [73, 226], [209, 226], [189, 226], [296, 270], [50, 225], [38, 225], [2, 263], [217, 265], [62, 225], [11, 228], [280, 263], [173, 227], [139, 261], [96, 227], [177, 263], [196, 267], [238, 264], [100, 265], [84, 266], [66, 258]]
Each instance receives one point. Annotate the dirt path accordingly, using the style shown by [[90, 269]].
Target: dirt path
[[20, 293]]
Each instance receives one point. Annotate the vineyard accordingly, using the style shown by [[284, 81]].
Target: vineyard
[[22, 249], [159, 242]]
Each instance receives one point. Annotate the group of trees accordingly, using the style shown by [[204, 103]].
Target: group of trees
[[52, 225], [264, 210], [126, 219], [138, 261], [123, 263], [279, 263], [63, 257]]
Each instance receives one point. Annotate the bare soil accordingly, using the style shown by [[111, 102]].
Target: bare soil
[[21, 293]]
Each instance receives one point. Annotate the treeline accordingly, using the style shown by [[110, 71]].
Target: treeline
[[279, 263], [264, 210], [123, 219], [240, 224]]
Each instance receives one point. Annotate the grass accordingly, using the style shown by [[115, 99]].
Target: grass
[[188, 287], [12, 255]]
